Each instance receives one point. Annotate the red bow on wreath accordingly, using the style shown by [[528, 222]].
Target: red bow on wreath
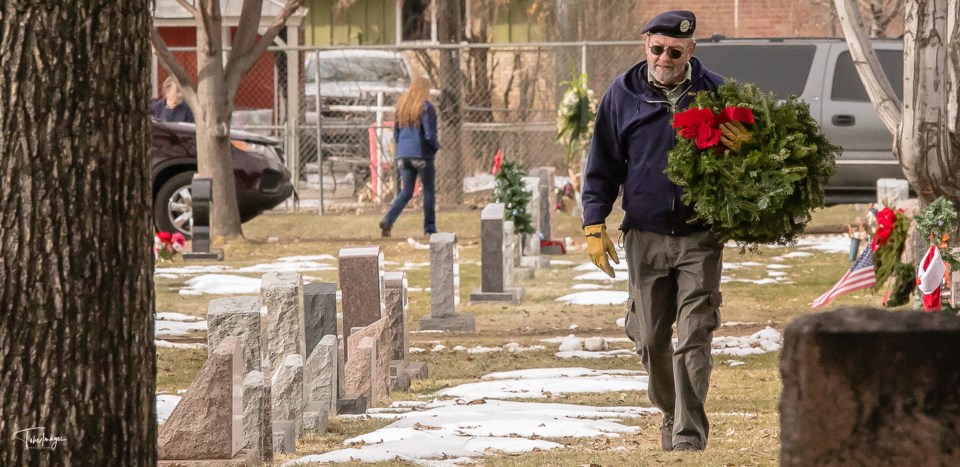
[[702, 126], [886, 219]]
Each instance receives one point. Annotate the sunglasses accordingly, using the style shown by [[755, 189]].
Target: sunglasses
[[671, 52]]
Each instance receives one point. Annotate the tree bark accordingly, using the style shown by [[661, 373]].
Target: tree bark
[[212, 115], [923, 144], [450, 31], [77, 352]]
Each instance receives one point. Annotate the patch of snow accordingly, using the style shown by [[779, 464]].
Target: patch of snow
[[514, 347], [417, 245], [621, 353], [561, 262], [456, 431], [776, 274], [610, 297], [595, 344], [600, 276], [778, 266], [221, 284], [826, 243], [287, 266], [165, 405], [408, 266], [735, 362], [760, 342], [295, 259], [526, 387], [738, 323], [540, 373], [438, 348], [163, 328], [622, 322], [177, 345], [166, 276], [571, 343], [793, 254], [416, 350], [590, 286], [192, 270], [174, 316]]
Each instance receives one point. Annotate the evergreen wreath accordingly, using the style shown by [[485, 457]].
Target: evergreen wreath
[[886, 261], [936, 220], [512, 192], [766, 192]]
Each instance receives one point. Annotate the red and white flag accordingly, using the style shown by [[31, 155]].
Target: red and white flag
[[860, 276], [929, 277]]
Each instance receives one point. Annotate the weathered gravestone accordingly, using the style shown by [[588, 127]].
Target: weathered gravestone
[[445, 287], [866, 386], [257, 428], [281, 293], [395, 328], [497, 258], [547, 177], [361, 370], [286, 387], [240, 317], [890, 191], [381, 359], [321, 374], [208, 421], [361, 288], [531, 241], [319, 312], [201, 193]]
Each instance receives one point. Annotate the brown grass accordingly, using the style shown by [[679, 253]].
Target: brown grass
[[742, 401]]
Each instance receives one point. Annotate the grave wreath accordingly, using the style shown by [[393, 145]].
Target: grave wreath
[[765, 192]]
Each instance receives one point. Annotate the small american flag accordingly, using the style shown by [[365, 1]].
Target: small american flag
[[860, 276]]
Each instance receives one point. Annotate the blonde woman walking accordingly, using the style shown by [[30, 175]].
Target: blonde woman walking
[[415, 134]]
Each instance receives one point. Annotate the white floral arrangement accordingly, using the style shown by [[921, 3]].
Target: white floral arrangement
[[575, 117]]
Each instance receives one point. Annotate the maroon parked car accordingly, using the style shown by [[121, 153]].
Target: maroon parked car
[[262, 179]]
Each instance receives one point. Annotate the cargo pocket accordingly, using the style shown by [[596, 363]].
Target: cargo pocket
[[630, 323], [716, 299]]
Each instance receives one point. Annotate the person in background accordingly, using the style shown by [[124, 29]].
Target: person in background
[[415, 135], [171, 107], [673, 266]]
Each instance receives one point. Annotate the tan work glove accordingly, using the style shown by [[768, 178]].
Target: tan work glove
[[599, 247], [733, 135]]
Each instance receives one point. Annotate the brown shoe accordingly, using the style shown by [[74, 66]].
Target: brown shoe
[[384, 229], [666, 434], [686, 447]]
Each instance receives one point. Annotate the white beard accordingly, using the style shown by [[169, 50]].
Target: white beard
[[668, 78]]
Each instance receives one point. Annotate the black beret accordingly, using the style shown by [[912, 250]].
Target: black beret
[[675, 23]]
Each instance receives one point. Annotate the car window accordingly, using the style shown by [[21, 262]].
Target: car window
[[781, 69], [357, 69], [847, 85]]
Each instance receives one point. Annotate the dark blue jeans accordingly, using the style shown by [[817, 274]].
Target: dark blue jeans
[[408, 177]]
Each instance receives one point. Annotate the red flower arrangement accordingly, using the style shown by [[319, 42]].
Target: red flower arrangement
[[167, 245], [703, 126]]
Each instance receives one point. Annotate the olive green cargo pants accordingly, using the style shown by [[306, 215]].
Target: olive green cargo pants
[[675, 280]]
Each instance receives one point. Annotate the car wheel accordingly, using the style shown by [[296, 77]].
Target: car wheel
[[173, 205]]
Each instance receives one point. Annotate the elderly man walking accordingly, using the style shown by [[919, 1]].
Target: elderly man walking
[[674, 266]]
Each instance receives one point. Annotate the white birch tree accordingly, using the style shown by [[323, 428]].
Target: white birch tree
[[925, 123]]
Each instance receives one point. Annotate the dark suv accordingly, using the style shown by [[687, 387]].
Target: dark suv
[[261, 177]]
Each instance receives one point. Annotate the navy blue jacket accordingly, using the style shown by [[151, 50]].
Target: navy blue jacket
[[418, 142], [631, 139], [180, 113]]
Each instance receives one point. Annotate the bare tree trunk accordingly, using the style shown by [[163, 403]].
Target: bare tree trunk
[[77, 353], [450, 31], [213, 124], [923, 144]]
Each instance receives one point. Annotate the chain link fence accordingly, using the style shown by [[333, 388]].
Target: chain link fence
[[332, 108]]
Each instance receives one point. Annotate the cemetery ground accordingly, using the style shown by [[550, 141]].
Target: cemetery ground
[[766, 289]]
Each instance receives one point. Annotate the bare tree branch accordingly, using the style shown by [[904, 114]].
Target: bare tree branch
[[238, 66], [175, 68], [865, 60], [190, 8], [246, 28], [211, 23]]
